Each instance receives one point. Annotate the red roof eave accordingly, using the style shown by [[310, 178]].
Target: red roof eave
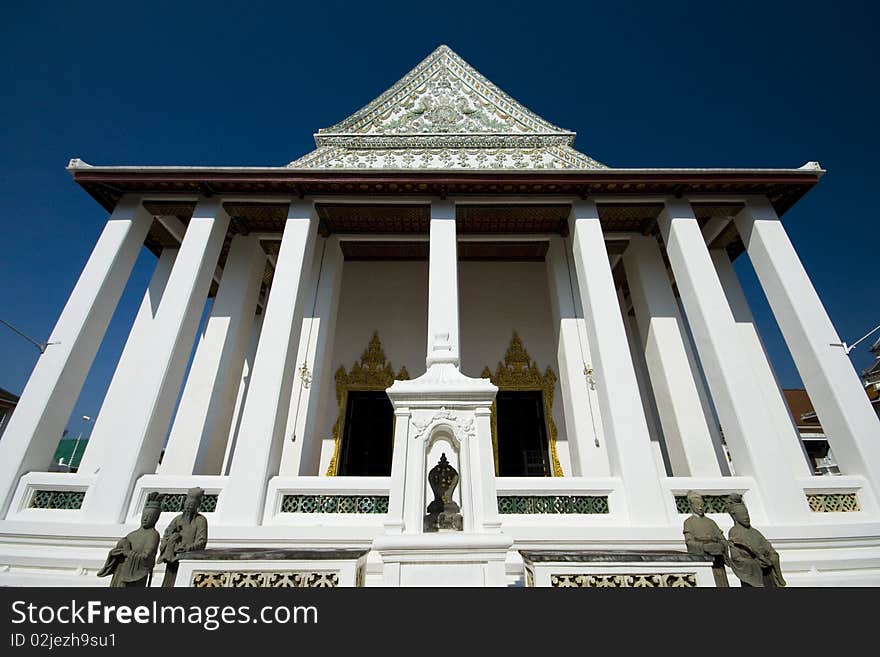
[[106, 185]]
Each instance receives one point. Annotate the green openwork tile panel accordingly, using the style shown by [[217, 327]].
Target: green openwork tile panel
[[714, 503], [334, 504], [532, 504], [833, 502], [58, 499], [174, 502]]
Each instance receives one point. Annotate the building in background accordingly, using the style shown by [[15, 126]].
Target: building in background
[[810, 430], [69, 453], [8, 402], [444, 282], [871, 377]]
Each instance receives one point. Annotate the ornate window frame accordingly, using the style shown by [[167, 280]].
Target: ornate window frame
[[520, 372], [372, 372]]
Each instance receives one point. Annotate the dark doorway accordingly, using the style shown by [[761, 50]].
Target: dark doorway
[[367, 435], [522, 434]]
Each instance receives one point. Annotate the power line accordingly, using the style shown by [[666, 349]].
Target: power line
[[39, 345], [849, 347]]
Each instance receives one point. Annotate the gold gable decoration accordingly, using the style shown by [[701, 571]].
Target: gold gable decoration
[[372, 372], [520, 372]]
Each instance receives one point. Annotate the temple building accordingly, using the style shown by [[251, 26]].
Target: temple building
[[8, 401], [810, 430], [443, 347], [871, 378]]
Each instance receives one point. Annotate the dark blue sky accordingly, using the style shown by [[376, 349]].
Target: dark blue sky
[[751, 84]]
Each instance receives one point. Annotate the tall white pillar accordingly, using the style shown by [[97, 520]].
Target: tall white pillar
[[708, 408], [198, 437], [443, 322], [646, 394], [741, 408], [258, 452], [138, 342], [36, 425], [835, 389], [476, 555], [589, 455], [136, 429], [621, 408], [395, 521], [483, 461], [241, 395], [685, 427], [760, 363], [302, 444]]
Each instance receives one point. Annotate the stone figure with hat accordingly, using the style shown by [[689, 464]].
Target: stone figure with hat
[[703, 536], [186, 533], [752, 558], [131, 561]]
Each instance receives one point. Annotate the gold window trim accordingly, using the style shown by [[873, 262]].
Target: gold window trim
[[372, 372], [520, 372]]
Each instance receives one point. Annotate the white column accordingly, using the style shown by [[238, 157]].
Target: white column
[[138, 341], [685, 427], [780, 415], [201, 426], [443, 321], [36, 425], [241, 396], [743, 413], [706, 401], [395, 522], [835, 389], [652, 417], [258, 451], [621, 408], [487, 518], [137, 426], [302, 445], [589, 456], [413, 494]]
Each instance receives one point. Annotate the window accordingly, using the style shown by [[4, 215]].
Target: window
[[367, 434], [523, 431], [522, 434], [821, 458], [362, 434]]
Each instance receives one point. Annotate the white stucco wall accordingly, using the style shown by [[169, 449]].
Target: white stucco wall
[[496, 298], [388, 297]]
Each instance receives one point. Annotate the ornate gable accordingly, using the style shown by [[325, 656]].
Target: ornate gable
[[444, 115]]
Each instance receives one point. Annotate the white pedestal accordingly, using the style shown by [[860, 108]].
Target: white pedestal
[[444, 559], [617, 569], [272, 568]]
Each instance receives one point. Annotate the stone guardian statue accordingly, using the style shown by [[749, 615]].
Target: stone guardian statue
[[131, 561], [186, 533], [704, 537], [752, 558]]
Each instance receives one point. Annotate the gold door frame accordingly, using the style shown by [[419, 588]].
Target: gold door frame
[[373, 372], [520, 372]]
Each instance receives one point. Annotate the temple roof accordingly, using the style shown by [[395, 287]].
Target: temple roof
[[444, 115], [7, 399], [445, 130]]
